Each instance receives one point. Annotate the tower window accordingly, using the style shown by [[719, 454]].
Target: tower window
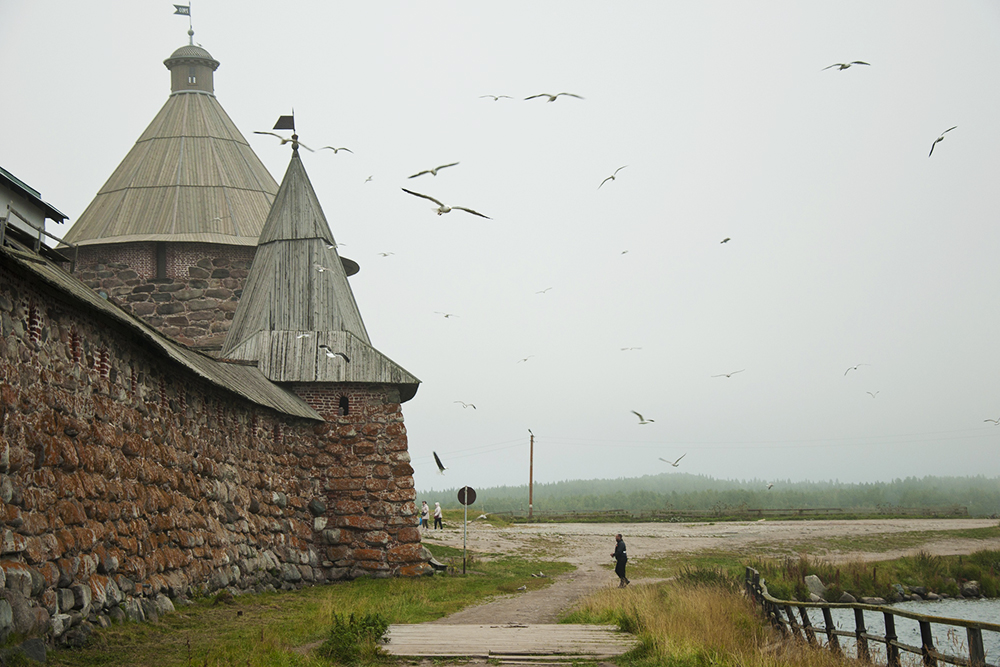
[[344, 406], [192, 77], [161, 260]]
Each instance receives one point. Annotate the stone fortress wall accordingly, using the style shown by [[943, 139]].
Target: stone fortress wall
[[195, 301], [127, 481]]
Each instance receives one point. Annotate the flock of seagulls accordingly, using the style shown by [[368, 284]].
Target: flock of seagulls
[[441, 208]]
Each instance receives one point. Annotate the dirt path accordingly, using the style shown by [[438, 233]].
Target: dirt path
[[589, 547]]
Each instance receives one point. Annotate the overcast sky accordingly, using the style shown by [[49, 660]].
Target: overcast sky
[[849, 245]]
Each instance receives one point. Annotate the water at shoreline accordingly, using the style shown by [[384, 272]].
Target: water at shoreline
[[947, 639]]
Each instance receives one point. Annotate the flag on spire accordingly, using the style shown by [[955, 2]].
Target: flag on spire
[[184, 10]]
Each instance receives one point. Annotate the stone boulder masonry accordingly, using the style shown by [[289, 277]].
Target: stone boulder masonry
[[134, 471]]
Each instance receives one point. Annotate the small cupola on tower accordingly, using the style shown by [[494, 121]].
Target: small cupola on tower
[[191, 69]]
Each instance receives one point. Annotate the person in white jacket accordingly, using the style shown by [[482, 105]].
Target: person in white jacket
[[437, 516]]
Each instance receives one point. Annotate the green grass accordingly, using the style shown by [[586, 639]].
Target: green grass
[[268, 630], [670, 565]]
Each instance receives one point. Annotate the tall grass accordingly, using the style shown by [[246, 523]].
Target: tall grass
[[700, 621], [942, 574]]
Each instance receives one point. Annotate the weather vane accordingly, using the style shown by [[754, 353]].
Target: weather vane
[[286, 123]]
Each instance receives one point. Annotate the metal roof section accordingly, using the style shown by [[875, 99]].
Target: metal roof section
[[297, 298], [31, 194], [191, 176], [245, 381]]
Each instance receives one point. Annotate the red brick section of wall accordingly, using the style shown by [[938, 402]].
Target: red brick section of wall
[[194, 304], [113, 500]]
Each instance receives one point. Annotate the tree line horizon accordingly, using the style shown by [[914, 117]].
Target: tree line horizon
[[684, 491]]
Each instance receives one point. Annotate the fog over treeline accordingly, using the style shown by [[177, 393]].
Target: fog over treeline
[[682, 491]]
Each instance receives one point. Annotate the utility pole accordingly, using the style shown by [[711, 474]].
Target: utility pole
[[531, 475]]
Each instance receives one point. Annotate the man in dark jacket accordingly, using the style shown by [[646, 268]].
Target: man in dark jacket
[[621, 558]]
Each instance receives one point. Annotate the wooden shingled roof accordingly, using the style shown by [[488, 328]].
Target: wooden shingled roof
[[297, 299], [191, 176]]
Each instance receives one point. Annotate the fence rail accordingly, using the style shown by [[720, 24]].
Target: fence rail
[[782, 614]]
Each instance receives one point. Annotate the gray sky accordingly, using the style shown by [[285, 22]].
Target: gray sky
[[849, 245]]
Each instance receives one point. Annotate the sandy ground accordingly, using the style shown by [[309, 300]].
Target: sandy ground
[[589, 547]]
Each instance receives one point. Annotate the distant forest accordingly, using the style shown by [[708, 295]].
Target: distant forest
[[681, 491]]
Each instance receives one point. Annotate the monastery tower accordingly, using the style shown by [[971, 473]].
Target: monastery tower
[[171, 235]]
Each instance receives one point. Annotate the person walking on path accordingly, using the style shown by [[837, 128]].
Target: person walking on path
[[621, 558], [437, 516], [425, 515]]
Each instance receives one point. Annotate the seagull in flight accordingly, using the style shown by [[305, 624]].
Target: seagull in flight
[[294, 141], [434, 171], [337, 150], [871, 394], [552, 98], [320, 267], [941, 138], [446, 315], [769, 485], [497, 98], [854, 368], [466, 405], [331, 354], [674, 463], [543, 291], [370, 178], [725, 240], [525, 359], [612, 176], [627, 349], [728, 375], [304, 335], [843, 66], [643, 420], [386, 254], [996, 422], [441, 466], [442, 208]]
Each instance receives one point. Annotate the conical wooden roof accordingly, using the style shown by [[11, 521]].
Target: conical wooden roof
[[297, 300], [190, 177]]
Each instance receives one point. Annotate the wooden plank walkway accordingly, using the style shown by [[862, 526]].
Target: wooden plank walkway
[[513, 643]]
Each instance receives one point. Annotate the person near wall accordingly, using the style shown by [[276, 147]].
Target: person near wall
[[437, 516], [621, 558], [425, 515]]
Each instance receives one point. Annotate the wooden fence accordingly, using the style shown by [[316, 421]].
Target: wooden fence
[[782, 614], [745, 513]]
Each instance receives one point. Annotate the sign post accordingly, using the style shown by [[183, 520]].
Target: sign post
[[466, 496]]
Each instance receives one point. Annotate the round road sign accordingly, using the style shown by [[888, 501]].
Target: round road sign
[[467, 495]]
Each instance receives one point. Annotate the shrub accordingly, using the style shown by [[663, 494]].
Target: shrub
[[355, 638]]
